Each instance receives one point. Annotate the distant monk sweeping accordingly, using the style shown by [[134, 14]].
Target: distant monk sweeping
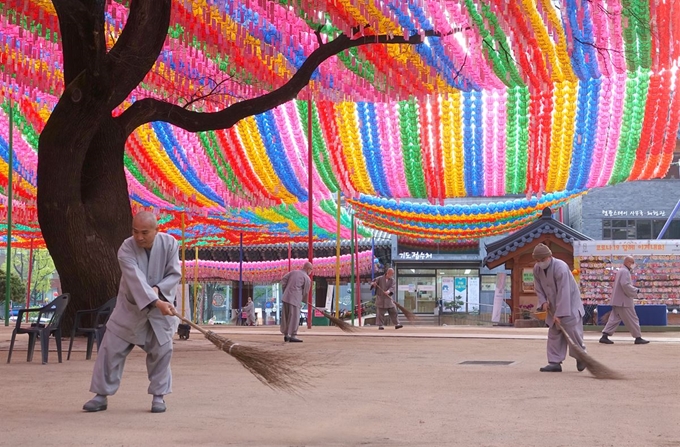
[[623, 305], [383, 299], [296, 285], [249, 310]]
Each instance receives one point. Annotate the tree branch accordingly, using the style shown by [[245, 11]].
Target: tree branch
[[200, 97], [138, 46], [317, 33], [149, 109], [76, 29], [604, 51], [98, 10]]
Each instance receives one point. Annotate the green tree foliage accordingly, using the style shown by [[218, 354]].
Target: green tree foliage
[[43, 271], [17, 288]]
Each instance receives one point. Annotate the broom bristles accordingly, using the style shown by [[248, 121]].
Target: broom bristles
[[605, 318], [278, 370], [339, 323], [596, 368], [407, 313]]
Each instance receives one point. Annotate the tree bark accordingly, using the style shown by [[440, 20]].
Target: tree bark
[[83, 201]]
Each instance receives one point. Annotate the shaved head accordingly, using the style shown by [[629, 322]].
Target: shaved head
[[629, 261], [307, 267], [144, 229], [145, 218]]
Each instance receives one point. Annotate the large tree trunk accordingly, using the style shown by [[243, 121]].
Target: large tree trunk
[[83, 202]]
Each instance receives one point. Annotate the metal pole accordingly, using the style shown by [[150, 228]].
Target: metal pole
[[337, 260], [669, 220], [310, 190], [184, 258], [196, 285], [240, 277], [290, 254], [351, 279], [30, 274], [665, 227], [372, 258], [358, 267], [10, 169]]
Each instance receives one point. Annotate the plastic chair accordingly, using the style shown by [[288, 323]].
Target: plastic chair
[[93, 330], [48, 323]]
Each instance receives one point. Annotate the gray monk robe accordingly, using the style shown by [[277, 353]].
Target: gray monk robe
[[133, 323], [557, 285], [295, 285], [383, 300], [623, 305], [249, 310]]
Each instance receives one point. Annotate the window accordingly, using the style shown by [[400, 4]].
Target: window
[[673, 231], [644, 229], [622, 229]]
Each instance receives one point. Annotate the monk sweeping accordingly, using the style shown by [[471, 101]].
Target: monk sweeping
[[559, 294], [143, 315]]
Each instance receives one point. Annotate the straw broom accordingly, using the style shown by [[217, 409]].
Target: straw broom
[[596, 368], [336, 321], [407, 313], [279, 370]]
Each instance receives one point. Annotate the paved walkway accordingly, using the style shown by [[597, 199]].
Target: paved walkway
[[481, 332], [411, 387]]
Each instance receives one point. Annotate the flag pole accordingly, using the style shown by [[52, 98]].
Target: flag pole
[[30, 275], [10, 169], [337, 261], [310, 210], [196, 284]]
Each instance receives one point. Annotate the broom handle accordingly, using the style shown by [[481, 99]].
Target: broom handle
[[559, 326], [189, 322], [383, 291]]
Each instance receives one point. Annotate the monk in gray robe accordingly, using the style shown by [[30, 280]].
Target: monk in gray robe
[[623, 305], [150, 268], [384, 286], [249, 311], [559, 294], [296, 285]]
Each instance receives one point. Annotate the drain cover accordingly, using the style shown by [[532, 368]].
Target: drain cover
[[487, 362]]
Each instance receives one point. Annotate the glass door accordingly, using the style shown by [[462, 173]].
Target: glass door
[[426, 295], [416, 289]]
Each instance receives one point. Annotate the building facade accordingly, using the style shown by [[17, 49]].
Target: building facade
[[444, 276], [634, 210]]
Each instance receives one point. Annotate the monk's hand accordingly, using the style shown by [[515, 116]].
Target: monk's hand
[[165, 307], [157, 290], [557, 320], [544, 306]]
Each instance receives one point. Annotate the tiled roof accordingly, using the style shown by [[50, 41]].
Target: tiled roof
[[543, 225]]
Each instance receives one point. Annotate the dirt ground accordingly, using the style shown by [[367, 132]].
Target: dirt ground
[[387, 388]]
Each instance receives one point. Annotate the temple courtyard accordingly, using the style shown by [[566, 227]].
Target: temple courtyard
[[389, 388]]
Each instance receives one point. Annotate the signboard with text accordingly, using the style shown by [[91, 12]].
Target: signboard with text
[[627, 247], [633, 213]]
